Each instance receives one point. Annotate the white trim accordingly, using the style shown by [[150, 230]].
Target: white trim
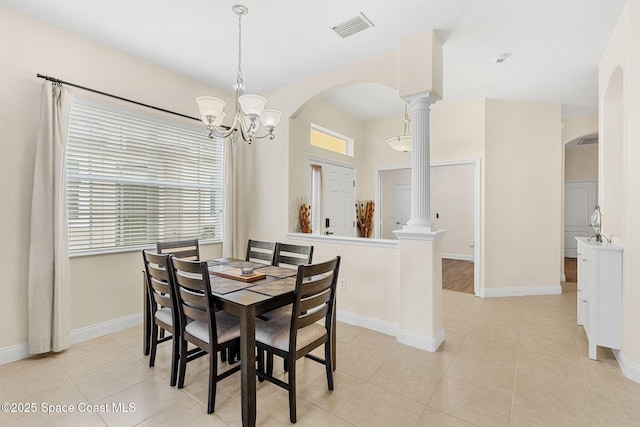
[[522, 292], [430, 344], [629, 369], [21, 351], [563, 277], [13, 353], [459, 257], [104, 328], [381, 326], [345, 240]]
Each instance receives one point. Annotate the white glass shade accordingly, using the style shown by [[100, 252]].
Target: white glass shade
[[401, 143], [252, 104], [270, 118], [211, 107]]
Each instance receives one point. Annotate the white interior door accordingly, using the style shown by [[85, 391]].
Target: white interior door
[[402, 207], [579, 202], [339, 199]]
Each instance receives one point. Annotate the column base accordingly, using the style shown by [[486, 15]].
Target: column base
[[416, 232]]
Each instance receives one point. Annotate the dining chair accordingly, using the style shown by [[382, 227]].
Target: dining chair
[[185, 249], [261, 252], [295, 337], [293, 255], [288, 255], [201, 325], [163, 313]]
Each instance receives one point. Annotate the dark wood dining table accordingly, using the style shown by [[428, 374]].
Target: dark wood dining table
[[246, 300]]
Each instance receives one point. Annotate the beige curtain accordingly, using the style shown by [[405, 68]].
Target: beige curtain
[[49, 288], [230, 243]]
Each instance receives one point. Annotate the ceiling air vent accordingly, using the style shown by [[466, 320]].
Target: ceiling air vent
[[352, 26], [588, 140]]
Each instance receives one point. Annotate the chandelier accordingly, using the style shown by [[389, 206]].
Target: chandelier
[[249, 113], [404, 142]]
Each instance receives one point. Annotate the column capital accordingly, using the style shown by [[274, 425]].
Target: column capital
[[421, 100]]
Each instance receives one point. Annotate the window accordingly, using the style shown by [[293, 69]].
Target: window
[[134, 180], [330, 140]]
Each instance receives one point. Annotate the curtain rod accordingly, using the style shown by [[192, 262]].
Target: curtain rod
[[58, 81]]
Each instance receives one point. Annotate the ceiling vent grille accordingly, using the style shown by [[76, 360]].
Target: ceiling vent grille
[[353, 26], [588, 140]]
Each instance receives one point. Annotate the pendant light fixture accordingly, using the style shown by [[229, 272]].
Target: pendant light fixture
[[250, 110], [404, 142]]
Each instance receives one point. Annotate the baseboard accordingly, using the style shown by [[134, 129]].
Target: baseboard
[[367, 322], [629, 369], [563, 278], [21, 351], [404, 337], [430, 344], [521, 292], [457, 256]]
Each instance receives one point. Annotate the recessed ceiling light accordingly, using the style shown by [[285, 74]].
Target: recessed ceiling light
[[499, 59]]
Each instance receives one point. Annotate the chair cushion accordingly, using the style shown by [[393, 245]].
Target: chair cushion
[[278, 312], [164, 315], [275, 333], [228, 328]]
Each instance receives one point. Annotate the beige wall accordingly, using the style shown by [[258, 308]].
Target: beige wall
[[620, 156], [523, 207], [103, 287], [452, 199]]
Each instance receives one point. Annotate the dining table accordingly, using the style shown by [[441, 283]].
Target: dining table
[[246, 296]]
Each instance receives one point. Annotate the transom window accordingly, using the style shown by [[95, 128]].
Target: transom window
[[330, 140], [134, 180]]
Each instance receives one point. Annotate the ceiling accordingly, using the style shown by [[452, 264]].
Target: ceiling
[[555, 45]]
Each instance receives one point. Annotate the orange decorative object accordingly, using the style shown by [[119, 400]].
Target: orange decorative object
[[304, 216], [364, 215]]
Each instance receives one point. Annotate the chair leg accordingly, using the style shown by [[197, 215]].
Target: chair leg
[[270, 363], [154, 345], [328, 363], [213, 381], [260, 357], [292, 390], [175, 357], [183, 362]]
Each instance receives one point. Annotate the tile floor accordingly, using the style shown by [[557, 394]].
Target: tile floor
[[505, 362]]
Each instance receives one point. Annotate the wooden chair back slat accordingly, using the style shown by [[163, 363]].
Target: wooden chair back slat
[[293, 255], [261, 251], [184, 249]]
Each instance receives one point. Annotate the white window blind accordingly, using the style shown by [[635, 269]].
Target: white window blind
[[133, 181]]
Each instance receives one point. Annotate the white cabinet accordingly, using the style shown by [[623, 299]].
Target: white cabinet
[[600, 293]]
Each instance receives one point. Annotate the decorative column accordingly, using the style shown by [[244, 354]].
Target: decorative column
[[420, 165], [420, 83]]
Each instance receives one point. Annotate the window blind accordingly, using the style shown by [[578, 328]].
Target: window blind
[[133, 180]]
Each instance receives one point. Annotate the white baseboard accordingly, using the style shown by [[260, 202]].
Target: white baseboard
[[367, 322], [404, 337], [21, 351], [521, 292], [430, 344], [563, 278], [457, 256], [629, 369]]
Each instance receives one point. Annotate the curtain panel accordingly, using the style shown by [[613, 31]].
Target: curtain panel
[[49, 299], [230, 244]]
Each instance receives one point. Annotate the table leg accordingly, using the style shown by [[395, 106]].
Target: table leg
[[248, 367], [146, 310]]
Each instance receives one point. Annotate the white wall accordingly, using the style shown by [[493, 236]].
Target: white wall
[[620, 138], [103, 287], [452, 200]]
